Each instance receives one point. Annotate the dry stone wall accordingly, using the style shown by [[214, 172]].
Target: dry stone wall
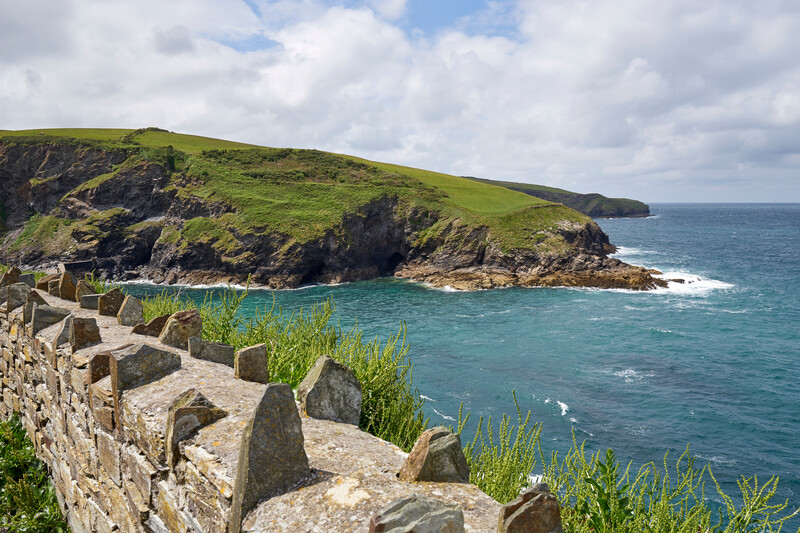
[[140, 436]]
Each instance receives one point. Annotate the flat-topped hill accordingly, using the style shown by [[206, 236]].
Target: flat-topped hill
[[166, 206]]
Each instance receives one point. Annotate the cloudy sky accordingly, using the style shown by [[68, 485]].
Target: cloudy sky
[[659, 100]]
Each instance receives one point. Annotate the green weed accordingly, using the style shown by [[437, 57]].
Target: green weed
[[27, 499]]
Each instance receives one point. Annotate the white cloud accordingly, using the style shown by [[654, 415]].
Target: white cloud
[[658, 100]]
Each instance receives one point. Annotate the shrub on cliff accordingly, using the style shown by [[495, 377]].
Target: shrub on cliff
[[27, 499]]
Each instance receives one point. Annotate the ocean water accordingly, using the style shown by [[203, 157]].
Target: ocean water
[[713, 362]]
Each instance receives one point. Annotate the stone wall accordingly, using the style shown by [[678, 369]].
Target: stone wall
[[140, 436]]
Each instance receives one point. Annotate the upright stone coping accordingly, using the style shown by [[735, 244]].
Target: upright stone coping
[[29, 279], [436, 456], [180, 327], [216, 352], [420, 514], [10, 276], [33, 298], [138, 365], [16, 294], [271, 457], [536, 510], [109, 303], [152, 328], [352, 472], [188, 412], [43, 316], [67, 283], [251, 364], [131, 312], [83, 289], [90, 301], [44, 283], [331, 391]]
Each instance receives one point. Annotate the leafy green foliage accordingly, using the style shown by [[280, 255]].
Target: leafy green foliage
[[27, 499], [99, 285], [501, 469]]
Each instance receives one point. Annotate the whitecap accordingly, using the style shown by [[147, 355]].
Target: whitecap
[[573, 420], [564, 408], [443, 415], [630, 375], [426, 398], [692, 285]]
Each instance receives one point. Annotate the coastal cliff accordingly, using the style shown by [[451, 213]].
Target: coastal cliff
[[175, 208]]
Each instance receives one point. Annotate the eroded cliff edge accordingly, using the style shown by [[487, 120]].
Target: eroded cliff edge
[[286, 217]]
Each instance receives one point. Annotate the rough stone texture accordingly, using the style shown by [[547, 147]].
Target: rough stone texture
[[139, 364], [180, 327], [33, 298], [83, 289], [16, 294], [536, 510], [28, 279], [43, 283], [52, 288], [271, 456], [65, 333], [131, 312], [65, 397], [190, 411], [46, 315], [85, 333], [251, 364], [436, 456], [67, 283], [418, 514], [10, 276], [216, 352], [331, 391], [90, 301], [152, 328], [109, 303]]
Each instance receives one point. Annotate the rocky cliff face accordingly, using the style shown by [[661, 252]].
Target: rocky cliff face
[[131, 216]]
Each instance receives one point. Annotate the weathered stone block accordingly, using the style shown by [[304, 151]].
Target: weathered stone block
[[188, 412], [90, 301], [82, 289], [85, 333], [109, 303], [33, 298], [108, 450], [66, 333], [45, 315], [168, 508], [10, 276], [270, 460], [135, 366], [152, 328], [142, 473], [216, 352], [534, 511], [180, 327], [16, 294], [29, 279], [52, 287], [131, 312], [420, 514], [251, 364], [436, 456], [66, 286], [43, 284], [203, 502], [331, 391]]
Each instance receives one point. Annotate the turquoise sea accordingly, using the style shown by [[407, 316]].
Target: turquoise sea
[[714, 361]]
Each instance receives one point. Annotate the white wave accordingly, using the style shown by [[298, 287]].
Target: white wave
[[692, 284], [630, 375], [443, 415], [573, 420], [533, 479], [561, 405], [471, 316], [426, 398]]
